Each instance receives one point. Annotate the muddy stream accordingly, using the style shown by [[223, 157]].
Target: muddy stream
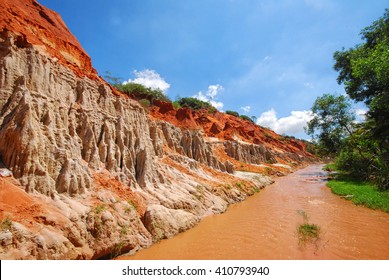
[[265, 226]]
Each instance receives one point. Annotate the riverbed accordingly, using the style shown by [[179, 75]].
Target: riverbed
[[265, 226]]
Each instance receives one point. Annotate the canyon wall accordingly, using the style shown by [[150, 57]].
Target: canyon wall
[[88, 173]]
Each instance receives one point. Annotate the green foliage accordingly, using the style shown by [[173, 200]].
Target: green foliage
[[379, 173], [306, 231], [6, 224], [364, 70], [232, 113], [354, 163], [239, 185], [358, 192], [124, 230], [145, 103], [99, 208], [139, 91], [117, 250], [247, 118], [176, 105], [195, 104], [331, 123], [132, 204], [330, 167]]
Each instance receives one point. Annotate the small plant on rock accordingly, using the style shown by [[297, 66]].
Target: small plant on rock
[[99, 208], [6, 224]]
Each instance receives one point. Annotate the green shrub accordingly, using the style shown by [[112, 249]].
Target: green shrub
[[176, 105], [379, 173], [354, 163], [141, 92], [232, 113], [6, 224], [247, 118], [195, 104], [145, 102], [99, 208]]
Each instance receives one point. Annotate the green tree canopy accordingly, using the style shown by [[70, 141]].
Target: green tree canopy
[[364, 70], [361, 149], [332, 122]]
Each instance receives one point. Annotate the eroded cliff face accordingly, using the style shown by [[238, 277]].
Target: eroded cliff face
[[93, 175]]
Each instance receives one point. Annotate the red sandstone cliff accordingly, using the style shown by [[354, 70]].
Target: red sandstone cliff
[[39, 26]]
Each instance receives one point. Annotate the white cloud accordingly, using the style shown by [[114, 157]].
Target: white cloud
[[290, 125], [361, 112], [309, 85], [218, 105], [210, 96], [266, 58], [361, 115], [246, 108], [149, 78], [214, 90]]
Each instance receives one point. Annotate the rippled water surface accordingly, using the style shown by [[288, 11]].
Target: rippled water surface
[[265, 226]]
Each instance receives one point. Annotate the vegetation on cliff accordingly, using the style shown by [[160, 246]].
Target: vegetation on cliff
[[195, 104]]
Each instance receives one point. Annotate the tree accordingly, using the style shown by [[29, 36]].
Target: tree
[[364, 70], [332, 122], [113, 80]]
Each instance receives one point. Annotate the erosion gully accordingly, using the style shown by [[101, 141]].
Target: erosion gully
[[265, 226]]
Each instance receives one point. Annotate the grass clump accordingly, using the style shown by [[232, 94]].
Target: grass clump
[[6, 224], [132, 204], [330, 167], [307, 232], [359, 192], [99, 208]]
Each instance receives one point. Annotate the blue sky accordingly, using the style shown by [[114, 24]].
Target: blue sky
[[263, 58]]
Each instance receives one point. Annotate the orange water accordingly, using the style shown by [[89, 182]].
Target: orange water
[[265, 226]]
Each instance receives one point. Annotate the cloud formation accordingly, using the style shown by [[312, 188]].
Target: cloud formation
[[290, 125], [149, 78], [210, 96], [246, 108], [360, 115]]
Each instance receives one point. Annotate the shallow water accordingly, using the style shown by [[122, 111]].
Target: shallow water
[[265, 226]]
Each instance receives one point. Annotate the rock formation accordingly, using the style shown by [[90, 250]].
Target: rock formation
[[88, 173]]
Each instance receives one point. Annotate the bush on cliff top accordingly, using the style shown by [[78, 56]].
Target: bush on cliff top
[[195, 104], [232, 113], [139, 91], [247, 118]]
